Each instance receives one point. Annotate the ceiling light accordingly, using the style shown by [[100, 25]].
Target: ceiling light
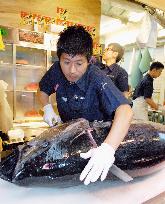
[[135, 17], [161, 33], [109, 25]]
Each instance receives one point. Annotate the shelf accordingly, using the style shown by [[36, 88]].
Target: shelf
[[20, 66], [27, 91], [9, 90], [6, 56], [8, 65], [31, 45], [28, 66]]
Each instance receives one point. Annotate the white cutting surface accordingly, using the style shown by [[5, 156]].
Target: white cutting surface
[[108, 192]]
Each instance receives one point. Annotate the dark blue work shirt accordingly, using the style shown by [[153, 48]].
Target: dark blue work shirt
[[144, 88], [93, 97], [118, 75]]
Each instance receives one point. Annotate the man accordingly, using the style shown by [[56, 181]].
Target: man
[[142, 96], [112, 55], [84, 91]]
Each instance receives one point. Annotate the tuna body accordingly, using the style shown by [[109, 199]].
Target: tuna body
[[53, 158]]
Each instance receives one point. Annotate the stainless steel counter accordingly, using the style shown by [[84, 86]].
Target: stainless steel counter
[[109, 192]]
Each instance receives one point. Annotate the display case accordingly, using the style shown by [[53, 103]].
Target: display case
[[30, 67], [22, 67]]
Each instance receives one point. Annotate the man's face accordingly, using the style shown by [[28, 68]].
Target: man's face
[[73, 67], [157, 72], [109, 53]]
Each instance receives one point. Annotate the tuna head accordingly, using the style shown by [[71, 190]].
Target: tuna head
[[53, 153]]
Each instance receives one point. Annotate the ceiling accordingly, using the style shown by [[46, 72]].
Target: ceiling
[[120, 9], [159, 4], [130, 11]]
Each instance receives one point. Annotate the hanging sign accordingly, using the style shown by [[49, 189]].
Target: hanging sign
[[61, 19]]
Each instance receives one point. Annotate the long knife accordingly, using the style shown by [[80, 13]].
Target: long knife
[[120, 173]]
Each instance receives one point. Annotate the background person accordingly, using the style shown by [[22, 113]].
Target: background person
[[112, 55], [142, 96], [84, 91]]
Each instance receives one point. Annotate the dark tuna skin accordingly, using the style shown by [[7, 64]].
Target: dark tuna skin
[[53, 158]]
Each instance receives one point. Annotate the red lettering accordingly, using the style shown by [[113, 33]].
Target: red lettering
[[60, 10], [69, 23], [23, 14], [47, 19], [60, 22]]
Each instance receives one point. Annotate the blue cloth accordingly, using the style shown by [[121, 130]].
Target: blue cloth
[[144, 88], [144, 65], [93, 97], [136, 74], [117, 74]]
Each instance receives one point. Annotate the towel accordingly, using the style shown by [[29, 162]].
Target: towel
[[145, 61], [136, 74]]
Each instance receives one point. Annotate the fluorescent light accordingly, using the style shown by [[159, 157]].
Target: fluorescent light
[[135, 17], [161, 33], [109, 25]]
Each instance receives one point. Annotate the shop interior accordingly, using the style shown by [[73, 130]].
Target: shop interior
[[28, 37]]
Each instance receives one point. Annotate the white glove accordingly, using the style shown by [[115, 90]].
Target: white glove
[[101, 160], [49, 115]]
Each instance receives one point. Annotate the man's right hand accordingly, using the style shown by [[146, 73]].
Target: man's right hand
[[50, 117]]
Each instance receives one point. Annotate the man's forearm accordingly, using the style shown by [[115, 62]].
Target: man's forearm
[[120, 126], [151, 103], [43, 97]]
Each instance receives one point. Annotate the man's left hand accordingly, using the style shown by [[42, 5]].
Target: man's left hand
[[101, 159]]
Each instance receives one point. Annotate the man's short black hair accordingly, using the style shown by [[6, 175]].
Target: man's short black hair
[[156, 65], [75, 40]]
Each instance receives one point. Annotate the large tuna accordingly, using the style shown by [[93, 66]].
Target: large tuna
[[53, 158]]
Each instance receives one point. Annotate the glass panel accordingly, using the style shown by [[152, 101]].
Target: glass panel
[[6, 56], [10, 96], [6, 74], [53, 96], [27, 105], [27, 78], [31, 56], [53, 57]]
